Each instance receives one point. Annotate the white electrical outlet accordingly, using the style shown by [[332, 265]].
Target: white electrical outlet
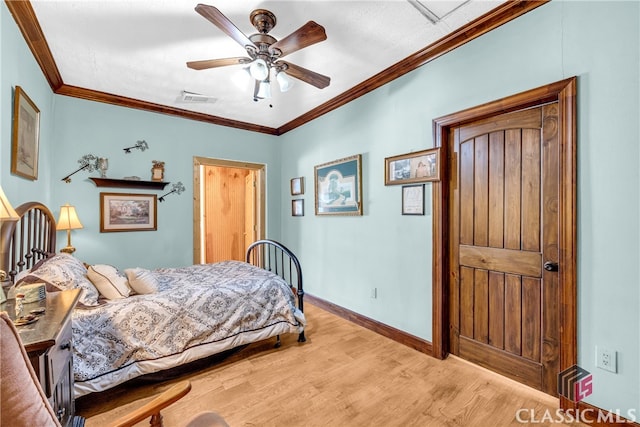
[[607, 359], [374, 293]]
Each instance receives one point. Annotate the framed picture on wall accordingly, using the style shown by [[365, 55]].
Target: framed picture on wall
[[297, 186], [128, 212], [297, 207], [413, 199], [422, 166], [25, 136], [338, 187]]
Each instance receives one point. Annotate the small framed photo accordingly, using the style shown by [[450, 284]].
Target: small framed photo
[[157, 170], [422, 166], [413, 199], [338, 187], [297, 207], [297, 186], [128, 212], [25, 136]]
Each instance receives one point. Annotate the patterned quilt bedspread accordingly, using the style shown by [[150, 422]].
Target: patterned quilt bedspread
[[195, 306]]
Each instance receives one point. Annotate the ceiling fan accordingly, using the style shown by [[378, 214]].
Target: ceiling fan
[[264, 51]]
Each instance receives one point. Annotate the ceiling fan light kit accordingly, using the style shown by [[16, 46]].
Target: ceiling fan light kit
[[264, 90], [265, 52], [284, 81], [259, 69]]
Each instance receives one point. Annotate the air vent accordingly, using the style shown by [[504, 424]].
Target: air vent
[[196, 98]]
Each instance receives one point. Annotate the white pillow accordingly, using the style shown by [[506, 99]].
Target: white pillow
[[111, 283], [142, 281]]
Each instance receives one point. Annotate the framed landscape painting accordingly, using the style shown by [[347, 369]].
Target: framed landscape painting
[[338, 187], [127, 212]]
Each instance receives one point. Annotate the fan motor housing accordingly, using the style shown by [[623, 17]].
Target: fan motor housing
[[260, 39]]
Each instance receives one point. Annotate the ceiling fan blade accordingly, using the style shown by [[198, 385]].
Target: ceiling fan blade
[[307, 76], [219, 20], [310, 33], [213, 63]]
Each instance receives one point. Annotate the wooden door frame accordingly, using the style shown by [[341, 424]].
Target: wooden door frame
[[198, 166], [564, 92]]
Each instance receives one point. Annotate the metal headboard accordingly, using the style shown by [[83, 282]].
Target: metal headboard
[[28, 240]]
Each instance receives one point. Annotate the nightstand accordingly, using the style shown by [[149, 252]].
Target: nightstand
[[49, 347]]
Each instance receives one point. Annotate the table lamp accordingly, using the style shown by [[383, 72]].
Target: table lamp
[[7, 213], [68, 220]]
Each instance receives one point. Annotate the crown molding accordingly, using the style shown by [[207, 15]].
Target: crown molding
[[26, 20]]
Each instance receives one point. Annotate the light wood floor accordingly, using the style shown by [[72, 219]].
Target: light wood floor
[[344, 375]]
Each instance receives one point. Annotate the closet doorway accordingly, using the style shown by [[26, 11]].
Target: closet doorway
[[229, 208]]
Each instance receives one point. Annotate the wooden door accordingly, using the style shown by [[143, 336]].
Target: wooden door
[[503, 251], [225, 213]]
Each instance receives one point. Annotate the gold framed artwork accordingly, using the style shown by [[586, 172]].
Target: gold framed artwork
[[422, 166], [25, 136], [338, 187], [297, 186], [128, 212]]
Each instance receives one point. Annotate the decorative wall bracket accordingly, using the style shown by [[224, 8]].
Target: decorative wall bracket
[[140, 145], [177, 188], [88, 162]]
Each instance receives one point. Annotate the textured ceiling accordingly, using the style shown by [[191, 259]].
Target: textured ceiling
[[138, 49]]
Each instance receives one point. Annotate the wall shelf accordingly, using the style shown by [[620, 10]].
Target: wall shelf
[[129, 183]]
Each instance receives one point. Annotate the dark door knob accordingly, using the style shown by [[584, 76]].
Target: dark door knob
[[550, 266]]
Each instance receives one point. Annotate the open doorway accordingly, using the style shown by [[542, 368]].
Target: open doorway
[[229, 208]]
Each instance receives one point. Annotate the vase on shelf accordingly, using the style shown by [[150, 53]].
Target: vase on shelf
[[103, 165]]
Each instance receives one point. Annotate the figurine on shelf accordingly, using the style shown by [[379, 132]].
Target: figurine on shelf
[[157, 170]]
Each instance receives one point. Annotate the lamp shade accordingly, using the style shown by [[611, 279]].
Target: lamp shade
[[68, 219], [259, 69], [264, 90], [7, 213], [284, 81]]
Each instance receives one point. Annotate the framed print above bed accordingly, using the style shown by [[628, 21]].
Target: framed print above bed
[[128, 212], [422, 166], [338, 187], [25, 136]]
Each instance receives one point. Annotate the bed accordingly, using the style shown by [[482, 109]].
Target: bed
[[169, 316]]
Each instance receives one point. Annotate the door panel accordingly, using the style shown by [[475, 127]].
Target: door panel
[[225, 213], [504, 226]]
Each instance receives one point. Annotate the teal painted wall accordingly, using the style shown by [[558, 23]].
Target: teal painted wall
[[19, 68], [71, 128], [83, 127], [345, 257]]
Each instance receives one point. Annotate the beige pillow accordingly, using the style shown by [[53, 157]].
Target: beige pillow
[[142, 281], [111, 283]]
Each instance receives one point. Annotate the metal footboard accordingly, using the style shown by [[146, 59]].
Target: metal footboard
[[278, 259]]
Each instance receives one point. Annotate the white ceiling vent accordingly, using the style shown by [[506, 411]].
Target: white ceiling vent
[[196, 98]]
